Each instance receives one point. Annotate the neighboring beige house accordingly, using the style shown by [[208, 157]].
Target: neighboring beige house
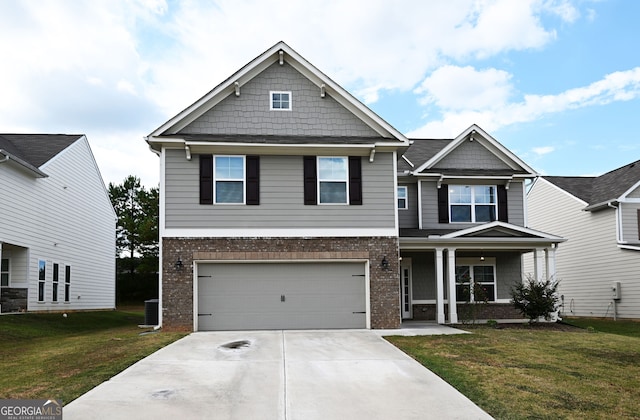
[[599, 266], [57, 241]]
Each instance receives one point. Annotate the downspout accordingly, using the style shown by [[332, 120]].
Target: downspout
[[618, 222]]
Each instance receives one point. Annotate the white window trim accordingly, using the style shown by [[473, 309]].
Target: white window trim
[[271, 108], [473, 204], [244, 180], [406, 197], [318, 180], [473, 262], [8, 272]]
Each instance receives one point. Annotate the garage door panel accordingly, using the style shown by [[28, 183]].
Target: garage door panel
[[250, 296]]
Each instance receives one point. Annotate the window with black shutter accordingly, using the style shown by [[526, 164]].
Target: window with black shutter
[[443, 204], [206, 179], [253, 180]]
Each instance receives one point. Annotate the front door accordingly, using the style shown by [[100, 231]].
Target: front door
[[405, 288]]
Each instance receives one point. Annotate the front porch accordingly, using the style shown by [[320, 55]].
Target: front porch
[[476, 266], [13, 278]]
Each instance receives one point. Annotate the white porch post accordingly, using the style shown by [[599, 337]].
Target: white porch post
[[451, 268], [537, 263], [439, 286], [550, 261]]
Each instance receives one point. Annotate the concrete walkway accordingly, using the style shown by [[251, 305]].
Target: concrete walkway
[[284, 375]]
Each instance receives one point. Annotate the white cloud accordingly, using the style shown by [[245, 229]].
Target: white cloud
[[617, 86], [543, 150]]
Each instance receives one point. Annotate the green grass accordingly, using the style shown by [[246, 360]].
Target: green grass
[[536, 372], [620, 327], [50, 356]]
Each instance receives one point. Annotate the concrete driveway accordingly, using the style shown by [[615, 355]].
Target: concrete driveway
[[305, 375]]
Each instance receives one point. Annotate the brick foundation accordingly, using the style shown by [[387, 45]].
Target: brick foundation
[[177, 284], [483, 311]]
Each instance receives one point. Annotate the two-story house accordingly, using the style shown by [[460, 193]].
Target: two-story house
[[57, 241], [277, 205], [599, 267], [285, 203]]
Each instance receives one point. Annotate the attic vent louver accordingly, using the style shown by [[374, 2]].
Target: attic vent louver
[[281, 57]]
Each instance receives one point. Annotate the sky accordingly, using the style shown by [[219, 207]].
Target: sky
[[555, 81]]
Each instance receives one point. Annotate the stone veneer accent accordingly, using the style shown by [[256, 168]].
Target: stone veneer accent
[[177, 284], [13, 299]]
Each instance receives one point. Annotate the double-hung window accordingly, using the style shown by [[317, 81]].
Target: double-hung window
[[54, 290], [403, 202], [472, 203], [67, 283], [475, 283], [4, 272], [280, 101], [229, 173], [333, 177], [42, 275]]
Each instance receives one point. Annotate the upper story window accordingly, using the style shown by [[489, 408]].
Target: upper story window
[[4, 272], [333, 180], [403, 201], [229, 175], [472, 203], [280, 101]]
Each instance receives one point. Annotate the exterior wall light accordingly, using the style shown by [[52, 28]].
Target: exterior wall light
[[179, 264], [384, 263]]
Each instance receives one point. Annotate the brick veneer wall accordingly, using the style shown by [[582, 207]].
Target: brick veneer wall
[[177, 284], [13, 299], [483, 311]]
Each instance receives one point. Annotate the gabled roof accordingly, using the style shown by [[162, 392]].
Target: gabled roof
[[34, 150], [436, 150], [501, 229], [601, 190], [420, 151], [280, 52]]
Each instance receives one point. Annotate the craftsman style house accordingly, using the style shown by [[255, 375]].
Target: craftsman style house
[[599, 266], [285, 203], [57, 242]]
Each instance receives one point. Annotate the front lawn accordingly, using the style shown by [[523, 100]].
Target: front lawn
[[50, 356], [538, 372]]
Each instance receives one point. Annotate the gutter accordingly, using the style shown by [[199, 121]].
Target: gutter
[[8, 156]]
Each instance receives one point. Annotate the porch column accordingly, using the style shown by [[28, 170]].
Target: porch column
[[439, 286], [538, 255], [550, 262], [451, 268]]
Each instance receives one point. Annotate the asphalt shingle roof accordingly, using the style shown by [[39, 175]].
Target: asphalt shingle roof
[[36, 149], [600, 189], [421, 151]]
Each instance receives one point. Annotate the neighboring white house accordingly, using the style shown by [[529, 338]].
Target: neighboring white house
[[57, 241], [599, 266]]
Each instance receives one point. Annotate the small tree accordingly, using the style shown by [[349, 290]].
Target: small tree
[[535, 299]]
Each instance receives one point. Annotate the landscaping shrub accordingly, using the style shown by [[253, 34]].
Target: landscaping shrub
[[535, 299]]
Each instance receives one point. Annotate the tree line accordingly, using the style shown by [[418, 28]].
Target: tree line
[[137, 235]]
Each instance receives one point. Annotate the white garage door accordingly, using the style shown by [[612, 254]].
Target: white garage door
[[281, 296]]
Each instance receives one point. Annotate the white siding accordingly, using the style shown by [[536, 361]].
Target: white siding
[[67, 219], [590, 261]]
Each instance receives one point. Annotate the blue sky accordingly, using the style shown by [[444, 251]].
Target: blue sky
[[556, 81]]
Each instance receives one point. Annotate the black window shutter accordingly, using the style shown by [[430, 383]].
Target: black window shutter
[[443, 204], [638, 223], [253, 180], [310, 181], [503, 214], [355, 180], [206, 179]]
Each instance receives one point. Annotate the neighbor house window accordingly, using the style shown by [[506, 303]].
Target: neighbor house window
[[67, 283], [54, 290], [472, 203], [333, 179], [229, 174], [280, 101], [475, 283], [42, 275], [4, 272], [403, 202]]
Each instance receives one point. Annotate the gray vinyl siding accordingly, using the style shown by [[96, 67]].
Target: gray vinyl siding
[[508, 272], [590, 261], [629, 217], [423, 274], [250, 113], [471, 155], [634, 194], [281, 198], [408, 219], [515, 204]]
